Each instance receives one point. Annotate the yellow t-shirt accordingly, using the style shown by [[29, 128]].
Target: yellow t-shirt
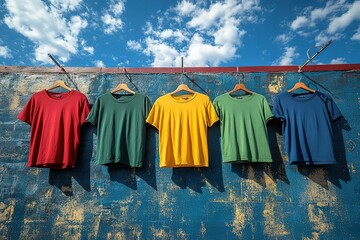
[[182, 121]]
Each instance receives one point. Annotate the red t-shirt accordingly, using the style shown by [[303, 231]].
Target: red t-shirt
[[55, 120]]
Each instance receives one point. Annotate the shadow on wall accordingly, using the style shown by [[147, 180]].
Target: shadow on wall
[[275, 170], [62, 179], [196, 178], [126, 175], [332, 173]]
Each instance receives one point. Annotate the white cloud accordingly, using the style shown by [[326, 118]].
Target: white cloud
[[340, 23], [112, 18], [112, 24], [206, 34], [185, 8], [66, 5], [88, 49], [134, 45], [356, 36], [336, 15], [299, 22], [49, 29], [99, 63], [284, 38], [164, 55], [338, 61], [5, 52], [287, 57]]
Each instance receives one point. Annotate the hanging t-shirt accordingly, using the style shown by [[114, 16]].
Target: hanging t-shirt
[[121, 128], [307, 127], [244, 136], [182, 121], [55, 120]]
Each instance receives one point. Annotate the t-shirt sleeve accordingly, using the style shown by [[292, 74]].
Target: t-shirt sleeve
[[333, 109], [154, 115], [85, 109], [27, 113], [216, 107], [268, 115], [94, 113], [277, 109], [147, 106], [212, 116]]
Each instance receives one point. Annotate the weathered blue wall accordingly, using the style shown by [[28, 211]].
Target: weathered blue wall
[[249, 201]]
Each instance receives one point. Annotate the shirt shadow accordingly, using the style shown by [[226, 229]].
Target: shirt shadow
[[323, 174], [196, 178]]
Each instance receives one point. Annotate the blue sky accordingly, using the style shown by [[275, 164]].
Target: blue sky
[[153, 33]]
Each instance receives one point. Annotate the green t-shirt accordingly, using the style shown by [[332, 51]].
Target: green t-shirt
[[243, 127], [121, 128]]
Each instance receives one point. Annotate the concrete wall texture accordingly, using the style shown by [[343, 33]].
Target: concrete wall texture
[[224, 201]]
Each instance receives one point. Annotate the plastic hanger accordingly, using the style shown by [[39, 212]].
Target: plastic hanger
[[122, 86], [182, 87], [240, 86], [301, 85], [59, 83]]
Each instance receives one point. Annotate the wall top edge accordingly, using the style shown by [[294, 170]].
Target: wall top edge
[[177, 70]]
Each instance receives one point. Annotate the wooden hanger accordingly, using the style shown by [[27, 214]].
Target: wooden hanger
[[122, 86], [182, 87], [59, 83], [240, 86], [302, 85]]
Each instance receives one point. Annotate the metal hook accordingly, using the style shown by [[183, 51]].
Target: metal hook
[[242, 75]]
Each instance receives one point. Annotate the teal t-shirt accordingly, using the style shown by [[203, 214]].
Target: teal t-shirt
[[244, 136], [121, 128]]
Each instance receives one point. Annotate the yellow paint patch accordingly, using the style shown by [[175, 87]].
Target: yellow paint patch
[[316, 193], [181, 234], [116, 236], [276, 83], [159, 233], [238, 223], [15, 102], [273, 225], [7, 211], [203, 230], [166, 204], [71, 212], [318, 218]]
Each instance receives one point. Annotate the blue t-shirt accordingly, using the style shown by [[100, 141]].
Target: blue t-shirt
[[306, 125]]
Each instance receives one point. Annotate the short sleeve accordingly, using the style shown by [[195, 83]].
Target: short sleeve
[[85, 109], [94, 113], [266, 110], [216, 107], [334, 111], [27, 113], [154, 115], [277, 109], [212, 116], [147, 106]]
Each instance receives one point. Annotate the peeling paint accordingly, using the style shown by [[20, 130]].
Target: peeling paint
[[203, 230], [318, 219], [273, 225], [14, 103], [277, 83], [181, 234], [7, 210], [238, 223], [159, 233]]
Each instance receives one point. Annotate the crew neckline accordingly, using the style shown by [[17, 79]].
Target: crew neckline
[[244, 98], [129, 97], [295, 97], [190, 98], [64, 95]]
